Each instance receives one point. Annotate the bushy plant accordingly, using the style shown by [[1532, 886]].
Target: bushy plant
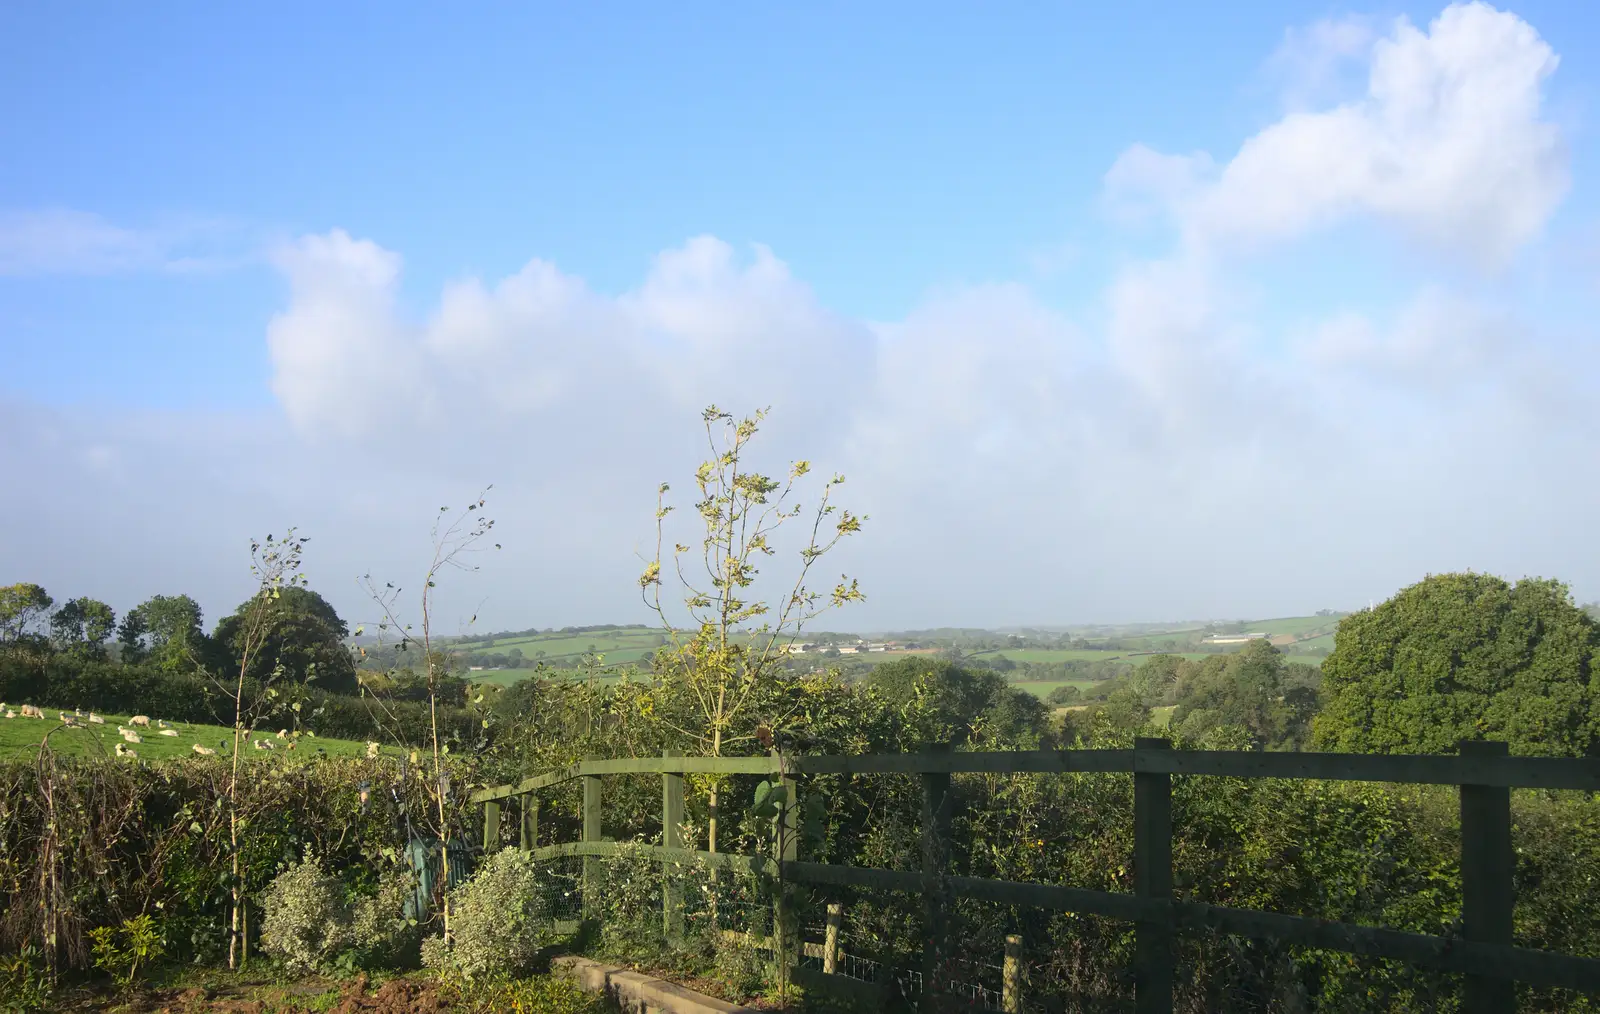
[[307, 920], [380, 934], [122, 951], [500, 921], [24, 982]]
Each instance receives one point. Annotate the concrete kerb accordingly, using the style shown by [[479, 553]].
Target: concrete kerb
[[638, 993]]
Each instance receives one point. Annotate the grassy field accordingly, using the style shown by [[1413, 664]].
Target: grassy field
[[622, 644], [1042, 688], [21, 736]]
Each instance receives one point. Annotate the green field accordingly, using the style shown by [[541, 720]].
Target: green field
[[21, 736], [622, 644], [1042, 688]]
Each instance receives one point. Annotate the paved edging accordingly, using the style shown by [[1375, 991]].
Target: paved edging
[[639, 993]]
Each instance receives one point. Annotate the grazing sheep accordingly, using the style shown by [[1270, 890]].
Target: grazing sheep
[[204, 751], [264, 744], [169, 732], [95, 719], [131, 737], [143, 720]]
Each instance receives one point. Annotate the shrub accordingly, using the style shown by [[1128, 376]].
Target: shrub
[[499, 920], [141, 943], [380, 934], [24, 982], [307, 922]]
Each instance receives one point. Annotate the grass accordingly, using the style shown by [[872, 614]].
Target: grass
[[21, 736], [1042, 688]]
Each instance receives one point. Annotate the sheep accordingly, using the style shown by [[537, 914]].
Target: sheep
[[163, 723], [143, 720], [29, 711], [123, 751], [11, 714], [372, 750], [204, 751], [131, 737], [264, 744], [95, 719], [169, 732], [283, 733]]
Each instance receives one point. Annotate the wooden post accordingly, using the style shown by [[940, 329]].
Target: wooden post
[[1152, 879], [1011, 990], [830, 937], [592, 833], [1488, 865], [672, 838], [530, 822], [491, 826], [937, 805], [785, 929]]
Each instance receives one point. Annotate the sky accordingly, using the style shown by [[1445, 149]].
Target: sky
[[1141, 312]]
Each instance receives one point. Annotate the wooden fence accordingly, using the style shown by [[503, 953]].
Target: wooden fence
[[1483, 952]]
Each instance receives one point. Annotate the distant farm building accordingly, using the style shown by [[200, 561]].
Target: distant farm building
[[1232, 638]]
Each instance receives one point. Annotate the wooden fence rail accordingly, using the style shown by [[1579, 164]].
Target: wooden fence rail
[[1485, 774]]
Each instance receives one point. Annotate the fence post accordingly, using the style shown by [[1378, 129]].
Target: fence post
[[1011, 989], [830, 937], [491, 826], [785, 930], [1488, 865], [1152, 879], [672, 838], [591, 832], [936, 812], [530, 822]]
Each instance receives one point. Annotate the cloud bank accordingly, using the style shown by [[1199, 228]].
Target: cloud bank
[[1165, 453]]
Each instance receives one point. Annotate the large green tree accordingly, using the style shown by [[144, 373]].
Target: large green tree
[[1253, 689], [82, 627], [1465, 656], [164, 629], [304, 634], [22, 607]]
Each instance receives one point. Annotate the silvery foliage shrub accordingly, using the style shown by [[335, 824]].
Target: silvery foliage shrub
[[499, 920], [311, 920], [307, 922]]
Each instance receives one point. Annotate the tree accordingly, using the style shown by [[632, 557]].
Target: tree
[[1247, 690], [22, 606], [715, 656], [82, 626], [1464, 656], [304, 635], [166, 629]]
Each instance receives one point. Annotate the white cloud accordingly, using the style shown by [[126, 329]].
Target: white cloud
[[60, 241], [1447, 144]]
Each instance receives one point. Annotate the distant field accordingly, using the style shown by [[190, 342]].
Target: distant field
[[1077, 655], [624, 644], [1043, 688], [21, 736]]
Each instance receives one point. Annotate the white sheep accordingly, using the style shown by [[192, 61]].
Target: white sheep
[[123, 751], [372, 750], [169, 732], [95, 719], [283, 733], [143, 720], [132, 737], [29, 711], [163, 723], [264, 744], [204, 751], [11, 714]]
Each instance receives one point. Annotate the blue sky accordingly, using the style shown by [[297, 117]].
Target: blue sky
[[936, 186]]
